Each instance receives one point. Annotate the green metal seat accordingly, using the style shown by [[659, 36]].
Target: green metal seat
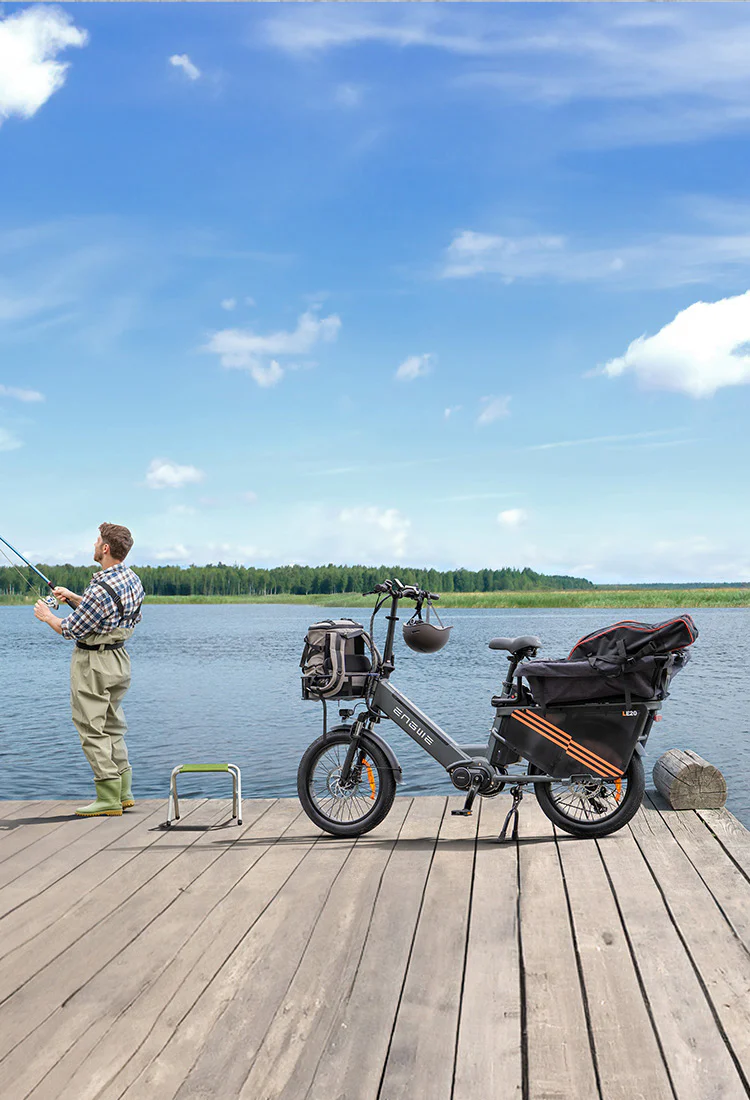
[[173, 807]]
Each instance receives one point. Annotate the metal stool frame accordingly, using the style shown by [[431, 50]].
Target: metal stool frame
[[234, 771]]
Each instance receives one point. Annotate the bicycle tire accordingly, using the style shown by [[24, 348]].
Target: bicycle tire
[[315, 806], [551, 808]]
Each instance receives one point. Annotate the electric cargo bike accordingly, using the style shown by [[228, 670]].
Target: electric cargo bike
[[575, 730]]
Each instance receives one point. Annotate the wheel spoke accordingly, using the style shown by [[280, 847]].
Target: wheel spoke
[[350, 804], [589, 800]]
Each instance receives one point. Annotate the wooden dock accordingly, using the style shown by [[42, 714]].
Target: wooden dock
[[423, 961]]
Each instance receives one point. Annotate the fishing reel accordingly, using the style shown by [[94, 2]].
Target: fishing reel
[[52, 601]]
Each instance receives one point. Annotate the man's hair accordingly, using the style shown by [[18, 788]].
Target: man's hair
[[119, 539]]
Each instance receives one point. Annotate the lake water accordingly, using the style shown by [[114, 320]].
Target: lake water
[[221, 682]]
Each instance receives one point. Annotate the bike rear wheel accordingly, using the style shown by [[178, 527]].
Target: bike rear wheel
[[593, 807], [353, 808]]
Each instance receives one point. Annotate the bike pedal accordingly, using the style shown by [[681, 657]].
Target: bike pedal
[[461, 813]]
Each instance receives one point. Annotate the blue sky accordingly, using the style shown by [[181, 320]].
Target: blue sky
[[437, 284]]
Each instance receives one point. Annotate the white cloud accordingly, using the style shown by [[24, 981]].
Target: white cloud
[[416, 366], [229, 304], [266, 375], [471, 253], [381, 533], [348, 95], [632, 437], [243, 349], [317, 30], [163, 474], [20, 394], [182, 61], [451, 410], [669, 75], [172, 553], [493, 408], [660, 260], [30, 40], [512, 517], [9, 442], [705, 347]]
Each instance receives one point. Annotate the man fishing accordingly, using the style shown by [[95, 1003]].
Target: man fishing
[[102, 620]]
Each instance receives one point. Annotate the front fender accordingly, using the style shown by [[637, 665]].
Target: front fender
[[376, 739]]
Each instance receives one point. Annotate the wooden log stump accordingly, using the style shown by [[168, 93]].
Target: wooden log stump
[[688, 782]]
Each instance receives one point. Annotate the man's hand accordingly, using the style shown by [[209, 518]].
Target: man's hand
[[43, 611], [67, 596]]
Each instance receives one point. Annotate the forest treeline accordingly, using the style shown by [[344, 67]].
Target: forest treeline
[[301, 580]]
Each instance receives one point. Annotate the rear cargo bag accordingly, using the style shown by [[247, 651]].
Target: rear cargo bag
[[567, 682]]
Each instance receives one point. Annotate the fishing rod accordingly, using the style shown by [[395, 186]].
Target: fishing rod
[[51, 600]]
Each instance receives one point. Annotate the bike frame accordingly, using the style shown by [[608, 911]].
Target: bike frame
[[387, 701]]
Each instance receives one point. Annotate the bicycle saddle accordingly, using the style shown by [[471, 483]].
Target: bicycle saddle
[[513, 645]]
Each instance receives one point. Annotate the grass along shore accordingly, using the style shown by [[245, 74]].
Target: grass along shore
[[592, 597]]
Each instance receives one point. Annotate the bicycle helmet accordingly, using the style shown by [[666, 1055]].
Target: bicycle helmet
[[423, 636]]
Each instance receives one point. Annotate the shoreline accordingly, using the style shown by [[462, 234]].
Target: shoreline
[[571, 598]]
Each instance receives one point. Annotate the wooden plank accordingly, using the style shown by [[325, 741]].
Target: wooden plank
[[352, 1058], [285, 1062], [559, 1057], [731, 834], [627, 1052], [729, 886], [720, 957], [17, 833], [45, 996], [11, 806], [421, 1057], [85, 838], [94, 1014], [489, 1059], [699, 1063], [264, 857], [44, 926], [239, 1003], [47, 853]]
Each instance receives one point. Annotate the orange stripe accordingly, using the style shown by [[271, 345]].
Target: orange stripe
[[566, 742], [553, 733], [599, 761], [595, 768], [537, 719], [559, 741], [547, 729], [605, 765]]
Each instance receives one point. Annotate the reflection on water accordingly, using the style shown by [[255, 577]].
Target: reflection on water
[[221, 682]]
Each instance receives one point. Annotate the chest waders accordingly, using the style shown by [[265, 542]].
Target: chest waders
[[99, 679]]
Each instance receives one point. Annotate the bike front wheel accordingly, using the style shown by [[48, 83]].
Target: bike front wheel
[[593, 807], [352, 808]]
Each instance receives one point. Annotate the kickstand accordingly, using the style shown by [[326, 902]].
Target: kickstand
[[512, 814]]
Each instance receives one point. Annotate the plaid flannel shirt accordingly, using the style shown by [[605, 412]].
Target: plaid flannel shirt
[[97, 612]]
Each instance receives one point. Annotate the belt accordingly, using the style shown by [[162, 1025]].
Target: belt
[[112, 645]]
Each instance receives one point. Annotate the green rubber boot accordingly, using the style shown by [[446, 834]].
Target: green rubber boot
[[107, 802], [126, 789]]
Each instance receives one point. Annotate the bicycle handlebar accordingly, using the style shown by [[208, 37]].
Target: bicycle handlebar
[[402, 591]]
